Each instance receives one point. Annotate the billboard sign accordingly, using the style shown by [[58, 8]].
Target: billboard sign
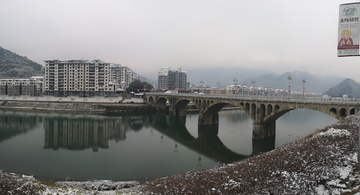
[[348, 33]]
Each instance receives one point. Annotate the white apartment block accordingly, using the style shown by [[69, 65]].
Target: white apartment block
[[83, 77], [77, 77], [118, 74]]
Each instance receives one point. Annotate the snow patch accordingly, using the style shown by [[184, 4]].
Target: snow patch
[[333, 132], [100, 185]]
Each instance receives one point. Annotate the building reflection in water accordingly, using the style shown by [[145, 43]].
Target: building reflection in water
[[83, 132], [79, 133], [12, 124]]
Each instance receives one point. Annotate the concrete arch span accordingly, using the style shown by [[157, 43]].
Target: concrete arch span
[[263, 111]]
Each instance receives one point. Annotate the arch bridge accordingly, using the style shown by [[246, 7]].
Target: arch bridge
[[263, 110]]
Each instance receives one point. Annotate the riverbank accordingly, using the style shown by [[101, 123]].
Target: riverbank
[[322, 163], [76, 107]]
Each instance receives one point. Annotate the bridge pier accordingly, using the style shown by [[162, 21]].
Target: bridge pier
[[208, 119], [178, 111], [262, 130], [161, 107]]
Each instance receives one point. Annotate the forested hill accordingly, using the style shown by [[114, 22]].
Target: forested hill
[[348, 86], [14, 65]]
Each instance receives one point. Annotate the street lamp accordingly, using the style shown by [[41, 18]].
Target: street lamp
[[304, 87], [235, 80], [289, 87], [202, 82], [218, 83], [253, 85]]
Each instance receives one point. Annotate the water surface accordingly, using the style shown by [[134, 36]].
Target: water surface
[[129, 147]]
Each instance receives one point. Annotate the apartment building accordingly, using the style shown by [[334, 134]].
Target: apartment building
[[169, 79], [122, 75], [118, 74], [16, 86], [77, 77], [130, 77]]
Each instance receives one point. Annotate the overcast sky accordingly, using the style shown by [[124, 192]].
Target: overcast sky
[[275, 36]]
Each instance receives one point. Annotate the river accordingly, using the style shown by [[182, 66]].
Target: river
[[128, 147]]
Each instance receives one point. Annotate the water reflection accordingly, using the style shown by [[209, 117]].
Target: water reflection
[[83, 132], [207, 143], [13, 124], [129, 147], [79, 133]]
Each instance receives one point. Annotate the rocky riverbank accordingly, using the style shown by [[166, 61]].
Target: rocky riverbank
[[322, 163]]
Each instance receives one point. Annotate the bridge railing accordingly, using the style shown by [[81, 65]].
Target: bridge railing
[[290, 99]]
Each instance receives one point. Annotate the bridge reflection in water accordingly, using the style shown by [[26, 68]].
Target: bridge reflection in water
[[58, 145], [207, 143], [83, 132]]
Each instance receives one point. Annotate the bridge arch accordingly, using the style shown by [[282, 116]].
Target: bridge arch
[[342, 112], [269, 109], [262, 112], [242, 105], [277, 107], [161, 104], [333, 110], [247, 108], [151, 100], [253, 111], [179, 107], [353, 111]]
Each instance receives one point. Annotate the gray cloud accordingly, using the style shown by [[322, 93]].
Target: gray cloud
[[276, 36]]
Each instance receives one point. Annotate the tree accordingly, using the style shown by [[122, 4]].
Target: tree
[[136, 85], [124, 95]]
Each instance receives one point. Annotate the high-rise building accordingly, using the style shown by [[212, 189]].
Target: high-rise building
[[122, 75], [85, 78], [118, 74], [77, 77], [169, 79]]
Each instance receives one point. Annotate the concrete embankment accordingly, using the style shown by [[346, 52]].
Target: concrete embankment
[[76, 107]]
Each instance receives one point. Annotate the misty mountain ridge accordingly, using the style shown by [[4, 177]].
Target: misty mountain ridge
[[317, 84], [226, 76], [14, 65], [348, 87]]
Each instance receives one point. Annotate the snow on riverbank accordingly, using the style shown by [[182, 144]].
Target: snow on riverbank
[[101, 185], [11, 183], [323, 163]]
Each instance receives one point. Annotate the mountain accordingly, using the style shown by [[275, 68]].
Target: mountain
[[223, 75], [226, 76], [313, 83], [348, 86], [14, 65]]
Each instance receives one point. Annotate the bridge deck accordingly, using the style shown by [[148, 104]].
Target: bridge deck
[[292, 99]]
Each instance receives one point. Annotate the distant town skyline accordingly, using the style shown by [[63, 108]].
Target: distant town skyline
[[274, 36]]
